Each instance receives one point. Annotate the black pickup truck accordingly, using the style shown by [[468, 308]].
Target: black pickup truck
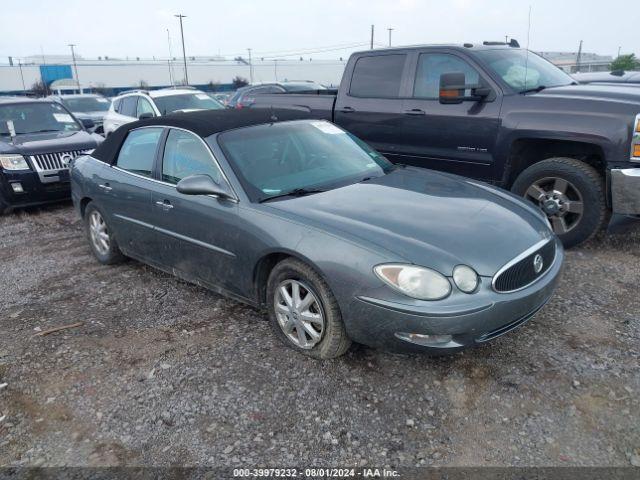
[[496, 113]]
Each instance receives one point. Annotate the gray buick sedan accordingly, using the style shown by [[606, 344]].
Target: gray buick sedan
[[301, 217]]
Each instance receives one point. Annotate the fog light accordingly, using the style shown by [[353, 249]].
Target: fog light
[[17, 187], [426, 340]]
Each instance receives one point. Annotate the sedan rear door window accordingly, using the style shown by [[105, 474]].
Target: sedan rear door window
[[139, 150]]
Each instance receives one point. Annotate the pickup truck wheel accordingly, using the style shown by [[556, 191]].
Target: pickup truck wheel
[[103, 243], [303, 312], [571, 194]]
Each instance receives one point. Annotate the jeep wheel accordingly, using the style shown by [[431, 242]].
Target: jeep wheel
[[571, 194], [303, 312]]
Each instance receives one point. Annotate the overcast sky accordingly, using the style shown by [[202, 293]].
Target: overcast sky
[[276, 28]]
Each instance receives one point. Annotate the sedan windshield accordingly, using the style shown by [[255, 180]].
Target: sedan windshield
[[298, 157], [524, 71], [36, 118], [87, 104], [186, 101]]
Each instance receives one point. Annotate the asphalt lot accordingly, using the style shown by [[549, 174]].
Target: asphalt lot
[[165, 373]]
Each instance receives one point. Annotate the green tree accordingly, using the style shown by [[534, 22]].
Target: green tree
[[238, 82], [626, 62]]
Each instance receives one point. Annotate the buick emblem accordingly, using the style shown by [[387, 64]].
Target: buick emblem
[[65, 159], [538, 263]]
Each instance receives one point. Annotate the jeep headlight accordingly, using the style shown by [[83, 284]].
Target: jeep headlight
[[14, 162], [416, 282]]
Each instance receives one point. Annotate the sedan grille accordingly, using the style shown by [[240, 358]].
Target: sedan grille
[[525, 269], [46, 162]]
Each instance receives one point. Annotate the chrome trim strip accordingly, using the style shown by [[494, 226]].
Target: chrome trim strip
[[195, 242], [176, 235], [520, 257]]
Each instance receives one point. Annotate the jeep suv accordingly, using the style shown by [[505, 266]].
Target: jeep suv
[[137, 104]]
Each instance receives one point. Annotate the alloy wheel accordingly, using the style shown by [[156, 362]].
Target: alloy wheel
[[299, 313], [99, 233], [560, 200]]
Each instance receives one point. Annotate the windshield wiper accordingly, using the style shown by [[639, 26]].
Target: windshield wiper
[[39, 131], [297, 192], [539, 88]]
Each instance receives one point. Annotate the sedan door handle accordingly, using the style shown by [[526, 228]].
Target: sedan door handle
[[414, 111], [347, 109], [105, 187], [166, 205]]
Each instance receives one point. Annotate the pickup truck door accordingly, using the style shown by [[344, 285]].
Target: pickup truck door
[[369, 102], [458, 138]]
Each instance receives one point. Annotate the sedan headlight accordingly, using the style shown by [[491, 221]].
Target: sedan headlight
[[465, 278], [416, 282], [14, 162]]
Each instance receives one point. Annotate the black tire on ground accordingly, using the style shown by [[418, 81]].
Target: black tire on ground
[[334, 341], [585, 186], [110, 255]]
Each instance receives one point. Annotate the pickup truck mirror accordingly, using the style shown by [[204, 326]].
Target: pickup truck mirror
[[453, 86], [202, 185]]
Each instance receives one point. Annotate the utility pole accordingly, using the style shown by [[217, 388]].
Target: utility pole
[[184, 55], [24, 88], [251, 66], [170, 57], [372, 29], [390, 30], [578, 57], [619, 51], [275, 68], [75, 65]]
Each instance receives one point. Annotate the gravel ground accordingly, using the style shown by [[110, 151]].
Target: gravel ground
[[166, 373]]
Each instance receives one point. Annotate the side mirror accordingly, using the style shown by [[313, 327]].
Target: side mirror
[[202, 185], [87, 123], [145, 115], [452, 88]]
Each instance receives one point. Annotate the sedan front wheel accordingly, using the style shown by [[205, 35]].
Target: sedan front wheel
[[303, 312]]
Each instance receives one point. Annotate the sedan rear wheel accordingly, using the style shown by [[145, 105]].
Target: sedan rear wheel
[[303, 311]]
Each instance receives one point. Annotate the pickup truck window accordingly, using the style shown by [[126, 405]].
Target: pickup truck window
[[522, 71], [377, 76], [432, 65], [139, 150]]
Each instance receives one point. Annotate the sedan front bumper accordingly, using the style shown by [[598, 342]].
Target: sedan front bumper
[[625, 191], [436, 327]]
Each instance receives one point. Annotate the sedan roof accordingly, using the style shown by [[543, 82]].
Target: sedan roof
[[203, 123]]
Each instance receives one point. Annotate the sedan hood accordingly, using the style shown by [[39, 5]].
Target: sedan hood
[[48, 142], [427, 218]]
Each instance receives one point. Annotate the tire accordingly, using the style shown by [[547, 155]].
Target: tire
[[571, 194], [107, 252], [332, 340]]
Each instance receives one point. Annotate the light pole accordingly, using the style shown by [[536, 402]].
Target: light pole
[[170, 57], [372, 30], [75, 65], [250, 66], [390, 30], [24, 88], [184, 55]]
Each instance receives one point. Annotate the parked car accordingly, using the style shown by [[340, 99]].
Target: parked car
[[339, 244], [617, 77], [133, 105], [244, 96], [38, 140], [496, 113], [86, 106], [222, 97]]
